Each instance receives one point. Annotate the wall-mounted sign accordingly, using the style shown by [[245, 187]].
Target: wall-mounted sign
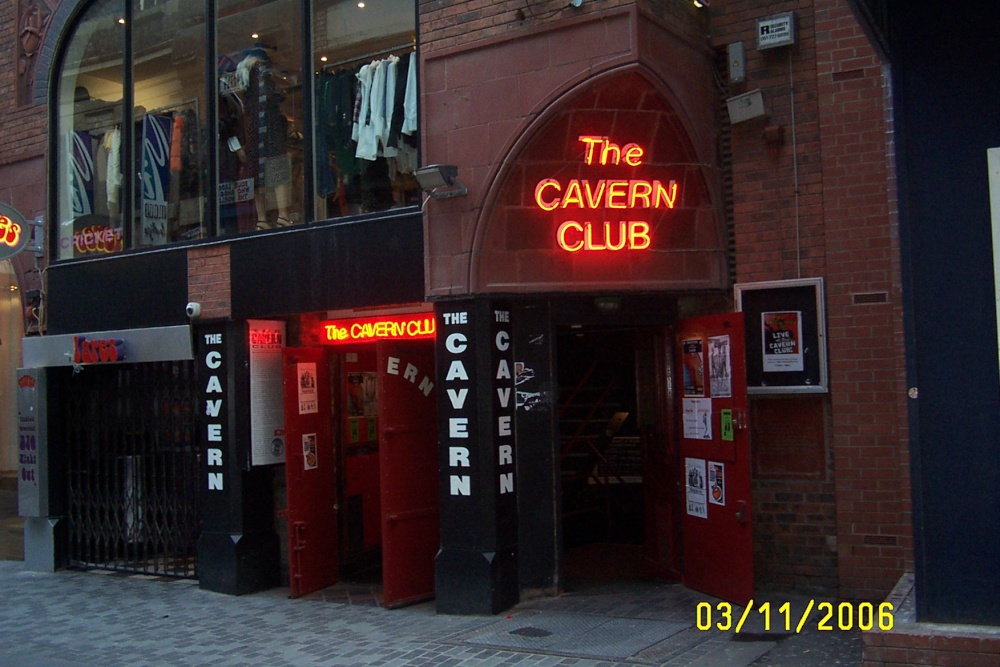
[[411, 326], [14, 232], [267, 408], [785, 336], [629, 198], [775, 31]]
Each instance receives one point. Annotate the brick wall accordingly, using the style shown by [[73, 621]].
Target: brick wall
[[209, 280], [822, 203], [22, 132], [864, 305], [930, 648]]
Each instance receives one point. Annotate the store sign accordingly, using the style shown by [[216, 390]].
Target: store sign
[[13, 232], [627, 198], [370, 329], [98, 351]]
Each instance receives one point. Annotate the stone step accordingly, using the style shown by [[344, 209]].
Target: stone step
[[12, 539]]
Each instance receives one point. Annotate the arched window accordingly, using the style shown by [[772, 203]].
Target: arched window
[[178, 120]]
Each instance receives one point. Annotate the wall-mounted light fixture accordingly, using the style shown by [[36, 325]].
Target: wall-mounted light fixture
[[439, 181], [700, 4]]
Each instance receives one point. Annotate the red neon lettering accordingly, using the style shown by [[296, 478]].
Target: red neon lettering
[[610, 153], [617, 194], [10, 231], [543, 185], [573, 236], [346, 331]]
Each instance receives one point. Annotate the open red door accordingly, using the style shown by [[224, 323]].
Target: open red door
[[409, 470], [310, 471], [715, 456]]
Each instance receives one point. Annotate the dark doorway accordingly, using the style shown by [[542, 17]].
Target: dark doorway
[[600, 448]]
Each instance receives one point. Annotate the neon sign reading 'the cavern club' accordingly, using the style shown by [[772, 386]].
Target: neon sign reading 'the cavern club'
[[610, 195], [387, 327]]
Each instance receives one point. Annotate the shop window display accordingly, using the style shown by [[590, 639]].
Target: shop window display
[[363, 105]]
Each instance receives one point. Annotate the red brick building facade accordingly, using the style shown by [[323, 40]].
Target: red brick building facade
[[805, 191]]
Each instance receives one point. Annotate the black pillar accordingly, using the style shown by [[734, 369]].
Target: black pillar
[[538, 469], [237, 548], [476, 568]]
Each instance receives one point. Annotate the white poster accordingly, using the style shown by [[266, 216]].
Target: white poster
[[716, 483], [720, 370], [308, 398], [267, 403], [694, 476], [697, 418]]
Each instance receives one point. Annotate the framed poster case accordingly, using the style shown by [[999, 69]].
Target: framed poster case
[[785, 336]]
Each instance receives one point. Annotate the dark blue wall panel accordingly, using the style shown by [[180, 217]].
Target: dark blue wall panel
[[948, 113]]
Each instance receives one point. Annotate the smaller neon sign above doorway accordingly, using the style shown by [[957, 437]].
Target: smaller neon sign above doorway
[[413, 326]]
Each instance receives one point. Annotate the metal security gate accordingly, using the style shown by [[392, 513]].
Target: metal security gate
[[132, 467]]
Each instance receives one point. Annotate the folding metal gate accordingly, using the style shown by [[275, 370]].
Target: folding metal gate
[[132, 467]]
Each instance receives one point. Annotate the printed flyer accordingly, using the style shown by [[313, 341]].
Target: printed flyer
[[309, 459], [694, 470], [719, 367], [694, 367], [716, 483], [308, 398], [697, 418]]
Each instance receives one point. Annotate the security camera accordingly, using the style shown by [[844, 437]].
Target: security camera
[[193, 309]]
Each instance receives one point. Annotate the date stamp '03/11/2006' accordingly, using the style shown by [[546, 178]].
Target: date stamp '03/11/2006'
[[827, 616]]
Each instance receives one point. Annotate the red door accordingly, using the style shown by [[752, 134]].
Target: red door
[[310, 471], [714, 456], [409, 470]]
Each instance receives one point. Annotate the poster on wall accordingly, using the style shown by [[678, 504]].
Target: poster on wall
[[362, 394], [308, 398], [694, 476], [785, 336], [694, 367], [697, 418], [716, 483], [781, 341], [267, 415], [362, 406], [720, 369]]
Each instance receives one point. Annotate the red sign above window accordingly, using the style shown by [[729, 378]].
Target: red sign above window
[[370, 329]]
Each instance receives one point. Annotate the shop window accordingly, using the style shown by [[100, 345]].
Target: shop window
[[365, 106], [161, 128], [88, 127], [260, 115]]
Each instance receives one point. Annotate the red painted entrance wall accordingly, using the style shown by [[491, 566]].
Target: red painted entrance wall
[[485, 102]]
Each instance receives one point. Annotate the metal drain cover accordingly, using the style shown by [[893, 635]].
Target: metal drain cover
[[577, 635], [530, 631]]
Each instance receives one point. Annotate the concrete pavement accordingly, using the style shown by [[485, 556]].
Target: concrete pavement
[[84, 619]]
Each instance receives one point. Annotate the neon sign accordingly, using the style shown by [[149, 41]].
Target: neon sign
[[604, 194], [10, 232], [387, 327], [13, 231]]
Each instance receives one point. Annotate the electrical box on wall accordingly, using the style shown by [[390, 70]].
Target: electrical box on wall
[[746, 106], [775, 31], [737, 62]]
